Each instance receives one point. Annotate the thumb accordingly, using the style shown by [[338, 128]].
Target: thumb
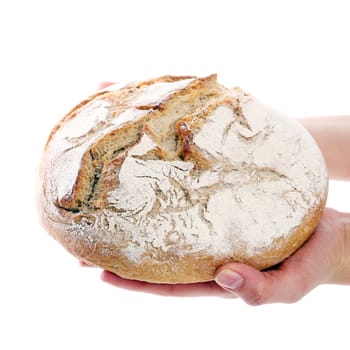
[[256, 287]]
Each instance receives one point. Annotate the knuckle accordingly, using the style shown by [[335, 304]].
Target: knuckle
[[300, 287], [256, 297], [293, 298]]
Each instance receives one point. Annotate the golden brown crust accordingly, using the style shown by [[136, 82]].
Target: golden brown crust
[[79, 221], [98, 153]]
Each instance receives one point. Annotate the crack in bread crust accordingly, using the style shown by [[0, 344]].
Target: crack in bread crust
[[86, 188]]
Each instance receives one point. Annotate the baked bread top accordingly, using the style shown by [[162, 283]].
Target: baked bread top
[[166, 179]]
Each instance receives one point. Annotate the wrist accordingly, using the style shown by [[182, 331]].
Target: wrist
[[342, 275]]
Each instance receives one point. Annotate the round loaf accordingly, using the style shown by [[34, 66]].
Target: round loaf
[[165, 180]]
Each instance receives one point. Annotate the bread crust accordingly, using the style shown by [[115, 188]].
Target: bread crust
[[169, 126]]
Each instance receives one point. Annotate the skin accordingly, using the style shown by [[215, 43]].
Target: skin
[[323, 259]]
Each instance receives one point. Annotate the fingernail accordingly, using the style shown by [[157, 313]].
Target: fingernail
[[229, 280]]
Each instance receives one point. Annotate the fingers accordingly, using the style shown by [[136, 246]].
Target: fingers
[[177, 290], [105, 84], [312, 264], [284, 284]]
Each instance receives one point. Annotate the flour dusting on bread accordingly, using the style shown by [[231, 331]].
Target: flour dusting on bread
[[180, 174]]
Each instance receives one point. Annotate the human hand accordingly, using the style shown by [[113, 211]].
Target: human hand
[[324, 258]]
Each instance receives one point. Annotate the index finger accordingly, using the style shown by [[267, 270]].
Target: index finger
[[105, 84], [202, 289]]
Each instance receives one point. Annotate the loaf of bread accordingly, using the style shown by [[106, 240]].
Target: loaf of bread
[[167, 179]]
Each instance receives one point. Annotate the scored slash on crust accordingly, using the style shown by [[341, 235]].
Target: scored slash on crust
[[105, 156]]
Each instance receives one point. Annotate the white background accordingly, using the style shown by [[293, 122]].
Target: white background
[[293, 55]]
